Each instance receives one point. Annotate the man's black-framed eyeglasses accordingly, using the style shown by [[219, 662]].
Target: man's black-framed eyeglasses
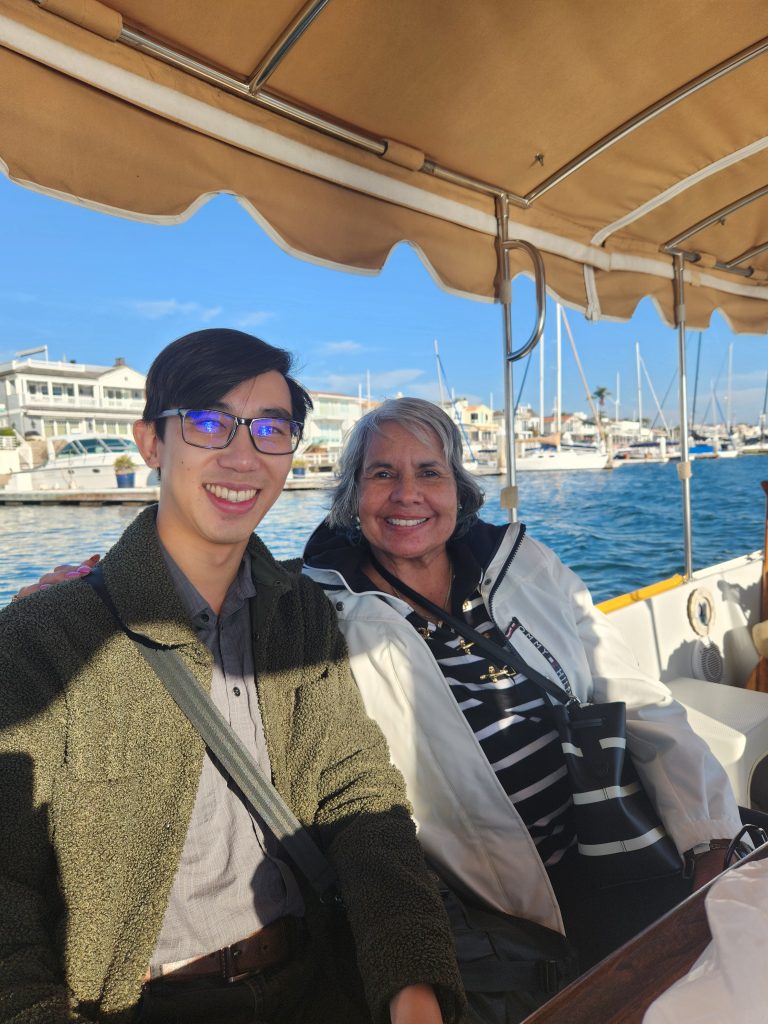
[[212, 428]]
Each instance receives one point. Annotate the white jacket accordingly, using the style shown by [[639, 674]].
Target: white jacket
[[467, 825]]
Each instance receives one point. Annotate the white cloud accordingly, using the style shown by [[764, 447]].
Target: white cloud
[[253, 318], [387, 383], [156, 309], [430, 391], [340, 347]]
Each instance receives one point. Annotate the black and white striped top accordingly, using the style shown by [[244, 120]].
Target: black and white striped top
[[504, 712]]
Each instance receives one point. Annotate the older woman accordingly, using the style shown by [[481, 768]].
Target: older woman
[[486, 776]]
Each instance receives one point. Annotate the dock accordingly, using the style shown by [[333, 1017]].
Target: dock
[[107, 496], [132, 495]]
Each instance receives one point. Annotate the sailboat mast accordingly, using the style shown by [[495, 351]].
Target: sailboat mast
[[639, 392], [729, 424], [439, 374], [618, 397], [696, 383], [653, 393], [541, 386], [580, 368]]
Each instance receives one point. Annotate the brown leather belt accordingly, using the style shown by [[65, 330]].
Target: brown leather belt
[[267, 947]]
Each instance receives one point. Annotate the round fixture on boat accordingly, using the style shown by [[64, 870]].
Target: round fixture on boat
[[706, 661], [701, 611]]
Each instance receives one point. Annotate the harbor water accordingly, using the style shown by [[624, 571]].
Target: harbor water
[[618, 530]]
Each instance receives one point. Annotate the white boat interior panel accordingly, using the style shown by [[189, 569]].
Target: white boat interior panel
[[696, 638], [734, 722]]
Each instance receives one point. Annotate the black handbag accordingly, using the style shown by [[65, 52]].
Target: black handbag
[[620, 836]]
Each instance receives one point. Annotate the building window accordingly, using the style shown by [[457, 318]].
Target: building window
[[60, 390], [85, 390], [37, 388]]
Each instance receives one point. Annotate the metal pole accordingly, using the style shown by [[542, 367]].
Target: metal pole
[[559, 406], [684, 466], [508, 497]]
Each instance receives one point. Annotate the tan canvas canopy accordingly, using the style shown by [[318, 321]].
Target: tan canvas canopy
[[610, 134]]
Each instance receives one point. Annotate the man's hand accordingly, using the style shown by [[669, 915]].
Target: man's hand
[[60, 574], [415, 1004]]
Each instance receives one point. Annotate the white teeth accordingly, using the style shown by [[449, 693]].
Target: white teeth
[[229, 495], [406, 522]]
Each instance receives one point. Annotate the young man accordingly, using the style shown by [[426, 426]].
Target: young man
[[135, 884]]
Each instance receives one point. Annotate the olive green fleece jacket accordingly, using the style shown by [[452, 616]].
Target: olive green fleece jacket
[[99, 771]]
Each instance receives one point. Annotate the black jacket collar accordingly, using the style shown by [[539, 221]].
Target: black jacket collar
[[472, 553]]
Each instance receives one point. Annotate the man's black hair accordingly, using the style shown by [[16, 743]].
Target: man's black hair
[[196, 371]]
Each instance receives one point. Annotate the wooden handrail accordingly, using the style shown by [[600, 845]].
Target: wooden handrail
[[621, 988]]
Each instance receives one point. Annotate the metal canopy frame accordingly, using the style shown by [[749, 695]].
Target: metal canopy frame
[[253, 90], [733, 266]]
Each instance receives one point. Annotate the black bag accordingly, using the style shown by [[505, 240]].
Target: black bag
[[620, 836], [509, 966]]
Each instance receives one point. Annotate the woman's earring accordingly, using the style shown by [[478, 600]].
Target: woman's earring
[[355, 534]]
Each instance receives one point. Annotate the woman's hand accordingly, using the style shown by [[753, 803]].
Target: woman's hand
[[415, 1004], [60, 574]]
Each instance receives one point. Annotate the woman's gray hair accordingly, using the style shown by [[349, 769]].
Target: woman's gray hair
[[422, 419]]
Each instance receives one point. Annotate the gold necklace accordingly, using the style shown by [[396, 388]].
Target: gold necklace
[[425, 631]]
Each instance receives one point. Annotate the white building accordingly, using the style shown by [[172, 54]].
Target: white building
[[51, 398], [40, 396], [327, 426]]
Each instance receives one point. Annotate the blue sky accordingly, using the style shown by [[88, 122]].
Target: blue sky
[[94, 287]]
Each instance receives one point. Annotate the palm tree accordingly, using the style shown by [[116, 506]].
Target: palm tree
[[601, 394]]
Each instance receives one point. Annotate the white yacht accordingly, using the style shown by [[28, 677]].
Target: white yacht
[[82, 463]]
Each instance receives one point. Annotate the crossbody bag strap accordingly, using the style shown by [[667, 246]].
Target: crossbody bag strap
[[508, 655], [228, 749]]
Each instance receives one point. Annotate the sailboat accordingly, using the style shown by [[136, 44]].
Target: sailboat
[[647, 448], [719, 440], [758, 445], [556, 452], [480, 457]]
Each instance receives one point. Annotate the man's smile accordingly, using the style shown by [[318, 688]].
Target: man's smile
[[235, 495]]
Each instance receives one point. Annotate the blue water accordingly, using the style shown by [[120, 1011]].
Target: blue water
[[618, 530]]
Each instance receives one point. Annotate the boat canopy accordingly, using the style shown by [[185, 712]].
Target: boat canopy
[[611, 136]]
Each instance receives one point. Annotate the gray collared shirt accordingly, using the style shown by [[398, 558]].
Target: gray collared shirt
[[231, 879]]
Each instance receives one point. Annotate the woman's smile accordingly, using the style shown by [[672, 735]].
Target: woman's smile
[[408, 496]]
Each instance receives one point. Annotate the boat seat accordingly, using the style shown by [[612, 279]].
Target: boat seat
[[733, 722]]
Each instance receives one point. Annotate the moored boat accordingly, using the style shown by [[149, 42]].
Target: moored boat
[[83, 462], [546, 458]]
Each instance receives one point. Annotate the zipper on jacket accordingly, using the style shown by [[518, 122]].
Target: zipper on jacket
[[505, 568]]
